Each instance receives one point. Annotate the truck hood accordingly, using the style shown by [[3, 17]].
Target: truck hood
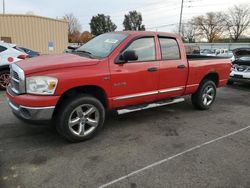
[[51, 62], [239, 52]]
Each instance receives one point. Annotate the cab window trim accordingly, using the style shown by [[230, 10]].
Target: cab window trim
[[134, 39], [173, 38]]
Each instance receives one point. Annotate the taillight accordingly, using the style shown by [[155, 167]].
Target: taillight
[[10, 59], [22, 56]]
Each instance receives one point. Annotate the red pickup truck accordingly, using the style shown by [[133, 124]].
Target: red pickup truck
[[125, 71]]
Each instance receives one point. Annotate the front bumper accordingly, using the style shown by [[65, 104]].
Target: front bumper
[[32, 113], [243, 77], [30, 107], [242, 80]]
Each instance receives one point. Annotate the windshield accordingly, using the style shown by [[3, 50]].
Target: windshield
[[102, 45]]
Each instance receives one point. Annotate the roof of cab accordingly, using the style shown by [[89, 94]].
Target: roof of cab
[[136, 33]]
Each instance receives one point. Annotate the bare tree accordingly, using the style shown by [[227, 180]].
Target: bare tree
[[212, 25], [237, 20], [190, 31], [74, 27]]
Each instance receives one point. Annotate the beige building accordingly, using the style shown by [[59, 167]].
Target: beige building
[[45, 35]]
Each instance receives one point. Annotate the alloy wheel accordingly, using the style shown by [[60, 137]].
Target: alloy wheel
[[208, 95], [4, 80], [84, 120]]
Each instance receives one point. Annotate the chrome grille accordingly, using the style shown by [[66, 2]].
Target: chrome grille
[[17, 81], [15, 75], [241, 68]]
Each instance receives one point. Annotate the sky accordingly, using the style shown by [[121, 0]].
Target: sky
[[160, 15]]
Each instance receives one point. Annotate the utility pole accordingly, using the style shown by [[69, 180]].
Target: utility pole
[[180, 23], [3, 6]]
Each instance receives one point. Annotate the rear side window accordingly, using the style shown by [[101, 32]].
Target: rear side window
[[2, 48], [169, 49], [144, 48], [18, 49]]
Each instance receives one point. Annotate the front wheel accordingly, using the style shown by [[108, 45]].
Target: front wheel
[[80, 118], [205, 96], [4, 79]]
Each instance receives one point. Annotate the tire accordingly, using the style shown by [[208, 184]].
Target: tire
[[4, 79], [230, 82], [80, 118], [207, 89]]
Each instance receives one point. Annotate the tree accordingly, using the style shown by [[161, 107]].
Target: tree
[[212, 25], [74, 27], [237, 20], [190, 31], [85, 37], [101, 24], [74, 37], [133, 21]]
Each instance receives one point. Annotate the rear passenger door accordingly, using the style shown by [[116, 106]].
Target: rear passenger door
[[173, 68]]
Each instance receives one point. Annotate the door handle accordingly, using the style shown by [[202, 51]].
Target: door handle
[[181, 66], [152, 69]]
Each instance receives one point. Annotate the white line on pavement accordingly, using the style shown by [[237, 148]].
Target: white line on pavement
[[172, 157]]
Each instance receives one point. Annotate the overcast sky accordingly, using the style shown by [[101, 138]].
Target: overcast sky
[[162, 15]]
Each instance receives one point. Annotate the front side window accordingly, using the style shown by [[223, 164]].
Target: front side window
[[144, 49], [169, 49], [102, 45], [2, 48]]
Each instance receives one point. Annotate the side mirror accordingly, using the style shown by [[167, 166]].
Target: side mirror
[[72, 47], [126, 56]]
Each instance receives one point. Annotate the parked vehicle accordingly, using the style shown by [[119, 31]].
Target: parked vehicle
[[8, 55], [241, 66], [71, 48], [217, 52], [224, 53], [125, 71], [208, 52], [31, 53], [192, 49]]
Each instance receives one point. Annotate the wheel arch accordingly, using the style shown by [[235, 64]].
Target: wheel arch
[[93, 90], [4, 67], [213, 76]]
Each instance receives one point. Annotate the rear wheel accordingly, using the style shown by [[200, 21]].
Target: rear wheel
[[80, 118], [205, 96], [4, 79]]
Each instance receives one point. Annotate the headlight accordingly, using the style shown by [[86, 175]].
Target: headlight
[[41, 85]]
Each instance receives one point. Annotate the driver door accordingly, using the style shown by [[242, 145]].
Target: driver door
[[135, 82]]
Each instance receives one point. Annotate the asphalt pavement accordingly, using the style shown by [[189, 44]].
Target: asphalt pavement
[[170, 146]]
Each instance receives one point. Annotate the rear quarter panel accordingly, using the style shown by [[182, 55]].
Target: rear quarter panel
[[199, 69]]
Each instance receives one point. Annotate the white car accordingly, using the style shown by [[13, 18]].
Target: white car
[[9, 53], [208, 52], [241, 66]]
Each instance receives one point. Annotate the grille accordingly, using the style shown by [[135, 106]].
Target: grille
[[17, 81], [241, 68], [15, 75]]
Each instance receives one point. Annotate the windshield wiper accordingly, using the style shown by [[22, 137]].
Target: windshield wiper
[[85, 52]]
